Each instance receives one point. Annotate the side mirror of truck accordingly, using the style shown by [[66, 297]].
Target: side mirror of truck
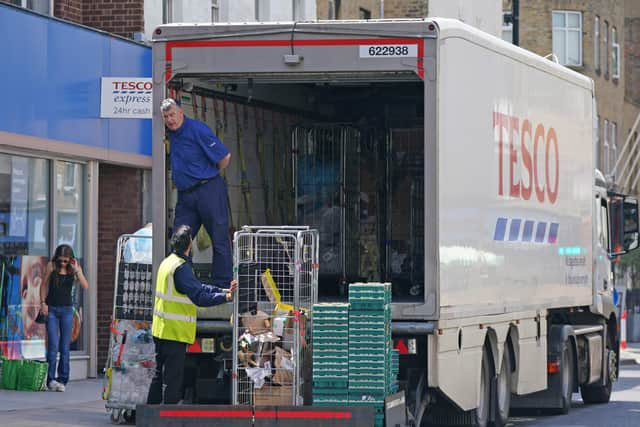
[[623, 227], [631, 232]]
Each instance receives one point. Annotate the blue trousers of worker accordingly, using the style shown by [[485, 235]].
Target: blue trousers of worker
[[207, 205]]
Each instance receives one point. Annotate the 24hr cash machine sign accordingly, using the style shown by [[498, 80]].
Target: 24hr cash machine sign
[[126, 98]]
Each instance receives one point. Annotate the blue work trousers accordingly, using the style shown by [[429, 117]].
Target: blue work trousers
[[207, 205], [59, 324]]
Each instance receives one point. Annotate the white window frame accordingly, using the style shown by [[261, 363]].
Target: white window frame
[[23, 3], [605, 137], [613, 142], [215, 10], [597, 145], [568, 30], [615, 54], [605, 44], [596, 43]]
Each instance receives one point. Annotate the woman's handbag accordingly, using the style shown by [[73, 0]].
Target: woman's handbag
[[41, 318]]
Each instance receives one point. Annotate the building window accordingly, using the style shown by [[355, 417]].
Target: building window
[[167, 11], [615, 54], [215, 10], [41, 6], [605, 135], [605, 43], [364, 13], [507, 26], [567, 37], [596, 44], [613, 144], [24, 252], [597, 136], [68, 211], [331, 9]]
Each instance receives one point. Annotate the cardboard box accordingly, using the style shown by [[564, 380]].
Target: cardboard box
[[270, 395]]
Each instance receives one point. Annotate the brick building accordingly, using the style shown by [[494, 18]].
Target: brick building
[[597, 38]]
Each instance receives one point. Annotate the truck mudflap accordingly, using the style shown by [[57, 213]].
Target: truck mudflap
[[244, 416]]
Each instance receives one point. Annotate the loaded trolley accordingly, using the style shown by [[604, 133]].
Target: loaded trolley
[[277, 273], [131, 358]]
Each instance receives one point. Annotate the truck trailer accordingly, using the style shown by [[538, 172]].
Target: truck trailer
[[428, 154]]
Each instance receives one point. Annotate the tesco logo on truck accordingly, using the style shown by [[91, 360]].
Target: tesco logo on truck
[[532, 158]]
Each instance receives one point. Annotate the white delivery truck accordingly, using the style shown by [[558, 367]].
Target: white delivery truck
[[434, 156]]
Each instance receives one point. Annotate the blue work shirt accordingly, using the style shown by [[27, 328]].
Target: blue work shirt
[[200, 294], [195, 153]]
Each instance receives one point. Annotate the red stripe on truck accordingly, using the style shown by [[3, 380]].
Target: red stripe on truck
[[190, 413], [320, 42], [186, 413], [343, 415]]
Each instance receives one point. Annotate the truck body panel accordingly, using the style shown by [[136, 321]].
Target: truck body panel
[[510, 236]]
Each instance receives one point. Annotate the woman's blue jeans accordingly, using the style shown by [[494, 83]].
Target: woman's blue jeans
[[59, 323]]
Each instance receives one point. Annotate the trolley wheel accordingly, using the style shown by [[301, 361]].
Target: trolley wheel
[[117, 416], [130, 416]]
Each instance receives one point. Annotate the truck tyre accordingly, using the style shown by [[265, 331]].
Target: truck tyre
[[503, 389], [567, 374], [446, 414], [597, 393], [480, 415]]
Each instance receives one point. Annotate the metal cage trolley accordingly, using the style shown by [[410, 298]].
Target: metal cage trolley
[[277, 273], [131, 358]]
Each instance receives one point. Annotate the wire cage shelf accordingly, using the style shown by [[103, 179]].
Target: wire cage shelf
[[131, 357], [277, 273]]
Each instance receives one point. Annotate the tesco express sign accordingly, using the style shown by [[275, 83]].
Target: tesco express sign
[[126, 98]]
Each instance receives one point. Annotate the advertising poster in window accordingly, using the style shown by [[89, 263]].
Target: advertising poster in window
[[31, 280], [20, 281]]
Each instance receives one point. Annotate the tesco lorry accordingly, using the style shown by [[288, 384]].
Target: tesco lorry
[[432, 155]]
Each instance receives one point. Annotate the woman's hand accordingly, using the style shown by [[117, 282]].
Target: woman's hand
[[76, 266], [44, 309]]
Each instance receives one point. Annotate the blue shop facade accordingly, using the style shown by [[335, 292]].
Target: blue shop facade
[[74, 168]]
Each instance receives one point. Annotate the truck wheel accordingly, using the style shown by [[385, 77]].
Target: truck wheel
[[596, 393], [482, 413], [503, 388], [566, 372], [446, 414]]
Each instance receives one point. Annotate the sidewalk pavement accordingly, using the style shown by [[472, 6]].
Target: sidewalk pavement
[[80, 405], [631, 355]]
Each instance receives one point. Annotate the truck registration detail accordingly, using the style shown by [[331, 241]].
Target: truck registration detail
[[389, 51]]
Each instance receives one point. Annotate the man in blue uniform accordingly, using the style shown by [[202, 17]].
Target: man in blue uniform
[[197, 158]]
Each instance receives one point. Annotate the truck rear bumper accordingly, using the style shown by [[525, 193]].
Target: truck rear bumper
[[244, 416]]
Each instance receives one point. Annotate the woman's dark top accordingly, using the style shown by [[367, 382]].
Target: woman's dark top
[[60, 292]]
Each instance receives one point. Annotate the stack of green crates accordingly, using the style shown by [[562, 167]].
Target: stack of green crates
[[395, 370], [370, 346], [330, 354]]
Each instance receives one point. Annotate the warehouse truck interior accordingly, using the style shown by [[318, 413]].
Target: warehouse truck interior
[[430, 155]]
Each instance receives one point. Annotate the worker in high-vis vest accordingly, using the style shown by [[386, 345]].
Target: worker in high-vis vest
[[178, 293]]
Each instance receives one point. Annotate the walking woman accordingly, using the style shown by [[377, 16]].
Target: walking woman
[[62, 272]]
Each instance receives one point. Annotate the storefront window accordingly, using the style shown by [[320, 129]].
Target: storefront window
[[24, 250], [28, 235], [69, 212]]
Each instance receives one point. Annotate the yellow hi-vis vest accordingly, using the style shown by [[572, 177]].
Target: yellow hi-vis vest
[[174, 314]]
